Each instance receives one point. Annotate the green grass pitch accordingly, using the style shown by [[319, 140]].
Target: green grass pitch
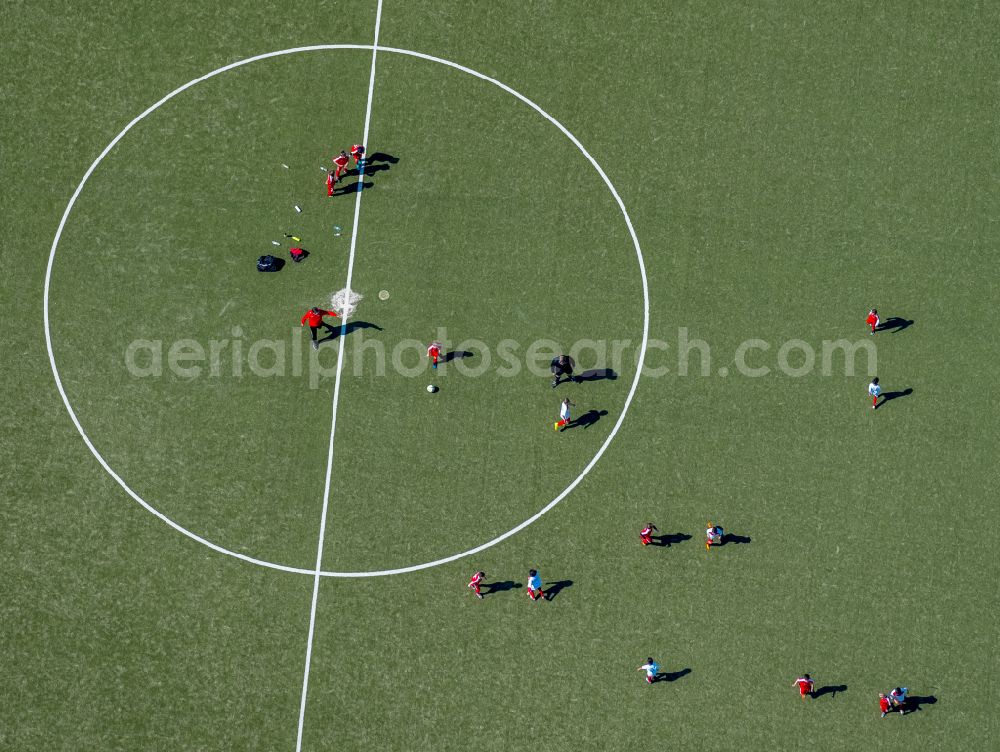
[[786, 166]]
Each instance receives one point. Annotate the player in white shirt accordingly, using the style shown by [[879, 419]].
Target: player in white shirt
[[898, 698], [652, 668], [713, 535], [564, 416], [874, 390]]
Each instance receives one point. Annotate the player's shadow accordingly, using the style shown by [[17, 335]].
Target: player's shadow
[[457, 355], [586, 420], [381, 157], [829, 689], [670, 676], [343, 190], [731, 538], [553, 589], [914, 703], [894, 324], [596, 374], [888, 396], [378, 162], [669, 539], [500, 587], [371, 169], [351, 327]]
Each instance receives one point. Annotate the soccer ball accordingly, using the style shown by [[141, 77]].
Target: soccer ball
[[431, 388]]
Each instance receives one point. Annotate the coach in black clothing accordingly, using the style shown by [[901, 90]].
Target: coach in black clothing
[[562, 365]]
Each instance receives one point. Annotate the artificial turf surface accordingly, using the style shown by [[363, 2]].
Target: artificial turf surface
[[786, 167]]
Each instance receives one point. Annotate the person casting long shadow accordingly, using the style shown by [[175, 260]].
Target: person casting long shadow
[[314, 319]]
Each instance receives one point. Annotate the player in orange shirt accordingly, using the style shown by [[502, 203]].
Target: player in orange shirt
[[872, 320], [805, 685]]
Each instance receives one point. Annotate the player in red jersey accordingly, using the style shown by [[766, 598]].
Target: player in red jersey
[[434, 352], [340, 161], [805, 685], [314, 318], [477, 578], [357, 154], [331, 181], [872, 320], [646, 534], [883, 704]]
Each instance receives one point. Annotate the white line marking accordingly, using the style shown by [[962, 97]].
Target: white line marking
[[336, 398], [302, 570]]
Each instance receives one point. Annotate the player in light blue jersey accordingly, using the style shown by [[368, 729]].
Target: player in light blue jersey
[[652, 668], [535, 591]]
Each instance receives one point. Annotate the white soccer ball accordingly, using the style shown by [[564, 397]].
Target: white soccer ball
[[431, 388]]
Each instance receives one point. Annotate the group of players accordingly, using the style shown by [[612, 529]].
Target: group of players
[[340, 163], [535, 591], [313, 318], [714, 535], [562, 366], [874, 388], [893, 701]]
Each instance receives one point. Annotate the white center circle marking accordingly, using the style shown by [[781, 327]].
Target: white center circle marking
[[300, 570]]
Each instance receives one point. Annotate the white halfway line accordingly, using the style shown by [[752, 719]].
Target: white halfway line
[[336, 397]]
